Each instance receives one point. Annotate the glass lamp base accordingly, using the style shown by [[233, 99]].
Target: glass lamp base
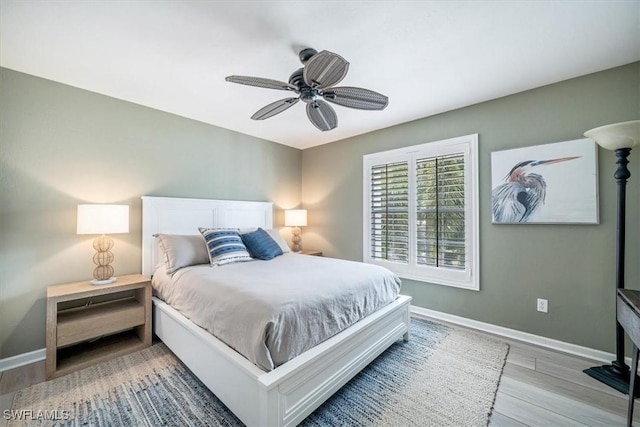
[[104, 282]]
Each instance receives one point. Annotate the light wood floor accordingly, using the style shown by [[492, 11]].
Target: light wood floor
[[539, 387]]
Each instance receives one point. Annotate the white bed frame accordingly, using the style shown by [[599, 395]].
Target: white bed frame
[[289, 393]]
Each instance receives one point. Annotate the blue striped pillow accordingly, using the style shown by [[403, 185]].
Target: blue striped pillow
[[261, 245], [224, 246]]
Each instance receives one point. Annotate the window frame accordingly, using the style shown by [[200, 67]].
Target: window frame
[[469, 278]]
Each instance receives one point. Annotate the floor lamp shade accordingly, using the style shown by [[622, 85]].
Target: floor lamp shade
[[295, 218], [619, 137], [103, 220]]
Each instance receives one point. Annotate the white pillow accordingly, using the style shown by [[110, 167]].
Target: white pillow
[[275, 235], [182, 250]]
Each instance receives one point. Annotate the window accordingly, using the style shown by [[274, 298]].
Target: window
[[421, 211]]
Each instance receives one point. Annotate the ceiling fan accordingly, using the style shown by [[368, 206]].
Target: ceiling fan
[[314, 83]]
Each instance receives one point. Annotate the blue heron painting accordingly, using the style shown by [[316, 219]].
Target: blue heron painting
[[523, 192], [551, 183]]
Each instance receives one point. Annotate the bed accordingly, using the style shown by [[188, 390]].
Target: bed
[[287, 394]]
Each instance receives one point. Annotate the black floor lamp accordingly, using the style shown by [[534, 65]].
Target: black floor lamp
[[620, 137]]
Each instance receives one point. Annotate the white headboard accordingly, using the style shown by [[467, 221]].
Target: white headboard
[[172, 215]]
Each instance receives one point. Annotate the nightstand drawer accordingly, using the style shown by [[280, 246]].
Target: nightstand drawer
[[84, 323]]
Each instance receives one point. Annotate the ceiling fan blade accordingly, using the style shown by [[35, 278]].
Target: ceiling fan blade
[[356, 97], [325, 69], [322, 115], [274, 108], [261, 82]]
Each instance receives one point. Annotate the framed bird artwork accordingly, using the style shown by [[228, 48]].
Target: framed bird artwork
[[546, 184]]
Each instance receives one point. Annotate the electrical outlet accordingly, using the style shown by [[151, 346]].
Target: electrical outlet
[[543, 305]]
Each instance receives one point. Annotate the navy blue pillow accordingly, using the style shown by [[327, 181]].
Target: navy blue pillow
[[261, 245]]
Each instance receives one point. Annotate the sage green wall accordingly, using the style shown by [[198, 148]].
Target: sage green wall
[[573, 266], [61, 146]]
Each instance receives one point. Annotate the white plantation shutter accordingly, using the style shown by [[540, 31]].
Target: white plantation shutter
[[421, 211], [440, 211], [389, 209]]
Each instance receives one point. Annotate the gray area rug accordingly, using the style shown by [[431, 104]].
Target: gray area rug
[[443, 376]]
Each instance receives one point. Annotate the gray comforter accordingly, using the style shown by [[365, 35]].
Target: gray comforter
[[272, 311]]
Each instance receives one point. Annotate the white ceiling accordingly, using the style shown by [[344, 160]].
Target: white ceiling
[[426, 56]]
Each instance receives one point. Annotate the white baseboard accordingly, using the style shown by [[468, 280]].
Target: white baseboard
[[22, 359], [526, 337]]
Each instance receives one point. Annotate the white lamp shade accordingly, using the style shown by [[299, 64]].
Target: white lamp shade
[[617, 135], [103, 219], [295, 218]]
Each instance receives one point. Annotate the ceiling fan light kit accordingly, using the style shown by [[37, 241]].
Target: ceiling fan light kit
[[314, 84]]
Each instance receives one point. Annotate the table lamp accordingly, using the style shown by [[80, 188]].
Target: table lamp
[[295, 218], [619, 137], [103, 219]]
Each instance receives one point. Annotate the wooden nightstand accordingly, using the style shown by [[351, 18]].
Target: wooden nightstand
[[82, 336], [311, 252]]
